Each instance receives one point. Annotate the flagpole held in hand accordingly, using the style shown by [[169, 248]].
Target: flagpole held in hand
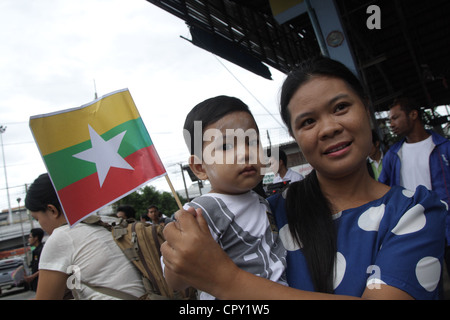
[[173, 192]]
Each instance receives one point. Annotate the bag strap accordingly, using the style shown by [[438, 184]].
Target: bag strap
[[111, 292], [155, 237], [144, 264]]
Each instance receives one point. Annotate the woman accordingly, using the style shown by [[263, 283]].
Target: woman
[[346, 234], [83, 258]]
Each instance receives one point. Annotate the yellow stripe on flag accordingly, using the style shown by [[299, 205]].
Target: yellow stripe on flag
[[282, 6], [70, 127]]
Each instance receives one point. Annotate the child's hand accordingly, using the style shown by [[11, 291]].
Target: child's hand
[[193, 211], [191, 254]]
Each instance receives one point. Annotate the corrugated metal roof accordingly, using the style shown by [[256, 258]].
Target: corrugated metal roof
[[250, 25], [409, 55]]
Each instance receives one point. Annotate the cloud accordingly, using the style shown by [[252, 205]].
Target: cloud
[[52, 51]]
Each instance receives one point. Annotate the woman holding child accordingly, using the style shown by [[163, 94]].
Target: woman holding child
[[346, 234]]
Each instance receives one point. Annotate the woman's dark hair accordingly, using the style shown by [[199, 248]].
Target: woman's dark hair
[[311, 224], [309, 212], [208, 112], [40, 194], [129, 211]]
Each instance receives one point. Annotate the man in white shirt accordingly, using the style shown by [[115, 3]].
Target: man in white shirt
[[285, 174], [421, 158], [414, 151]]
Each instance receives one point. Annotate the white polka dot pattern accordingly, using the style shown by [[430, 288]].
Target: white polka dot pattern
[[428, 273], [412, 221], [370, 220], [288, 241], [382, 244], [340, 266]]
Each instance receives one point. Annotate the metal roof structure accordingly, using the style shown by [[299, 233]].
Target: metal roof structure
[[409, 55]]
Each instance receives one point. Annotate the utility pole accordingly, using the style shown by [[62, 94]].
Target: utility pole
[[95, 91], [10, 218], [28, 211], [23, 233], [184, 181], [317, 30]]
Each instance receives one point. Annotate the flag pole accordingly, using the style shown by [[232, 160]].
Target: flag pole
[[173, 192]]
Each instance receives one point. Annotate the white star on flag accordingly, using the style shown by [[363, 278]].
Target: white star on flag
[[104, 154]]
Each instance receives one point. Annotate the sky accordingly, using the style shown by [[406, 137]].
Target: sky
[[54, 55]]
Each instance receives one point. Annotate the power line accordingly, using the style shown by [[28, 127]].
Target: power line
[[16, 143], [254, 97], [14, 123]]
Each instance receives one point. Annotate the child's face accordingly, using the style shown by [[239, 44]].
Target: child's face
[[331, 125], [231, 158]]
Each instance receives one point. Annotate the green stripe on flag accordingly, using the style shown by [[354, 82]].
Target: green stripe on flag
[[65, 169]]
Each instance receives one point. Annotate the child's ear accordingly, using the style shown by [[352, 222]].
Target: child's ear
[[196, 166]]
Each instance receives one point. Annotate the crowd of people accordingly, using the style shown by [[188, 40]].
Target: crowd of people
[[366, 223]]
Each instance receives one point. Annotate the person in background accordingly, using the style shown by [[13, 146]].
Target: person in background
[[420, 158], [156, 217], [83, 258], [284, 173], [35, 240], [375, 160], [145, 218], [126, 212]]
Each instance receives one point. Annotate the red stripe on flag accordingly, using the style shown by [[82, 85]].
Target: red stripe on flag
[[85, 196]]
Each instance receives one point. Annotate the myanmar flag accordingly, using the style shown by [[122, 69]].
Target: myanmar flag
[[96, 154]]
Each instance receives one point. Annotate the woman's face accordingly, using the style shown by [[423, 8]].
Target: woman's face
[[331, 126], [47, 219]]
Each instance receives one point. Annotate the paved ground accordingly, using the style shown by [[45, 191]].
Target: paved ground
[[20, 294], [17, 294]]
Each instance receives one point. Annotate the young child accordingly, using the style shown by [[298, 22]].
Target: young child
[[228, 154]]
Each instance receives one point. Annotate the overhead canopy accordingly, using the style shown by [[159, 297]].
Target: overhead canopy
[[248, 25], [409, 55], [228, 50]]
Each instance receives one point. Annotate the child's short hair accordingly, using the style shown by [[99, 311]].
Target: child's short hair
[[207, 112]]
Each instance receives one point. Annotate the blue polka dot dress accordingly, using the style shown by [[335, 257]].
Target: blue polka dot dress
[[397, 240]]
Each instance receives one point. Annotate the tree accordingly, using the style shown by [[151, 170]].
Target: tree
[[147, 196]]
